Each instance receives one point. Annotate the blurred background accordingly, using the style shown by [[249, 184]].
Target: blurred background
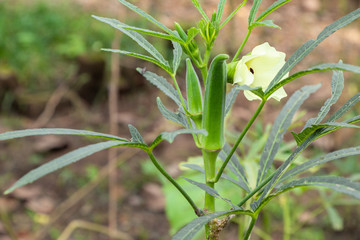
[[53, 74]]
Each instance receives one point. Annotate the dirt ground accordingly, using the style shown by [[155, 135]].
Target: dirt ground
[[42, 210]]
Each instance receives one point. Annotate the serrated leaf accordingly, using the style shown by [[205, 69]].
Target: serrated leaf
[[319, 68], [339, 184], [191, 229], [272, 8], [147, 16], [170, 136], [266, 23], [337, 85], [235, 167], [61, 162], [320, 160], [145, 44], [253, 10], [140, 56], [341, 111], [210, 191], [56, 131], [280, 127], [162, 84], [177, 54], [135, 135], [300, 137], [179, 117], [310, 45]]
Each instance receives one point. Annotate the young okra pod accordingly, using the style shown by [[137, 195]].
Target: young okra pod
[[193, 94], [214, 104]]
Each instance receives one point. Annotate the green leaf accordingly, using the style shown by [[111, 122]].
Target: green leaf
[[336, 220], [201, 11], [220, 10], [272, 8], [135, 135], [339, 184], [300, 137], [177, 54], [232, 14], [56, 131], [191, 34], [145, 44], [253, 10], [179, 117], [210, 191], [235, 167], [349, 104], [320, 160], [162, 84], [310, 45], [337, 85], [140, 56], [191, 229], [280, 127], [147, 16], [170, 136], [63, 161], [318, 68], [266, 23]]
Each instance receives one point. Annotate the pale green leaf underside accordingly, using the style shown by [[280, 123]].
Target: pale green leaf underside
[[179, 117], [62, 161], [135, 135], [266, 23], [56, 131]]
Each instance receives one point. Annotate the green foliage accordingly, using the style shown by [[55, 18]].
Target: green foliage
[[38, 39]]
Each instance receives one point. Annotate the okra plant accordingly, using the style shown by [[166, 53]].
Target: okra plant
[[261, 76]]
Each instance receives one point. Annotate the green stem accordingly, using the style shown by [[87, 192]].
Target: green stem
[[210, 170], [247, 127], [179, 92], [197, 211], [286, 217], [242, 45], [251, 226], [260, 186]]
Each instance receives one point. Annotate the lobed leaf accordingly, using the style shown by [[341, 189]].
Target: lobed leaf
[[56, 131], [162, 84], [280, 127], [63, 161], [320, 160], [147, 16], [170, 136], [145, 44], [310, 45]]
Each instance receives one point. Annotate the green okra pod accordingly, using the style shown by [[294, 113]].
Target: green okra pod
[[214, 104], [193, 94]]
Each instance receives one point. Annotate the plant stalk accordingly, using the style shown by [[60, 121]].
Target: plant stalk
[[242, 45], [197, 211], [251, 226], [243, 133]]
